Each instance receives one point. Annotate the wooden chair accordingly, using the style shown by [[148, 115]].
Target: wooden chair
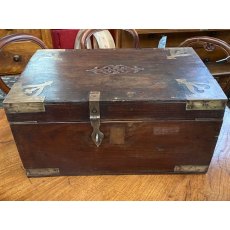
[[17, 38], [103, 39], [219, 68]]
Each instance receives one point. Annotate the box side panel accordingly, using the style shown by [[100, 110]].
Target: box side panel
[[127, 147]]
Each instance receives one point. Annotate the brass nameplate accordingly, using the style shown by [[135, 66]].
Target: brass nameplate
[[205, 105], [39, 172], [191, 168]]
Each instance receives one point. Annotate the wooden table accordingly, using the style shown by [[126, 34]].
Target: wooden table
[[14, 185]]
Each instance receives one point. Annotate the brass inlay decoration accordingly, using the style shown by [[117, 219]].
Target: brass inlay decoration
[[191, 168], [35, 90], [115, 69], [39, 172], [25, 98], [94, 109], [193, 87]]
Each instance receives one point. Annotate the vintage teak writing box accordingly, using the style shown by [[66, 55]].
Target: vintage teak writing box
[[125, 111]]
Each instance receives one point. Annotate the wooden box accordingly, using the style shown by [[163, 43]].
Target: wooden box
[[124, 111]]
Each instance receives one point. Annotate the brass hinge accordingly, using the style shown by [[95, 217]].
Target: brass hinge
[[39, 172], [205, 105], [26, 98]]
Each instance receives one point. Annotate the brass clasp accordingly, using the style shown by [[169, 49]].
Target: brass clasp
[[94, 110]]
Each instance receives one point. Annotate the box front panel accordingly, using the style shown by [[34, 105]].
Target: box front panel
[[133, 147]]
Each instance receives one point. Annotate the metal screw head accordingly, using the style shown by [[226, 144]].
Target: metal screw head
[[16, 58], [94, 110]]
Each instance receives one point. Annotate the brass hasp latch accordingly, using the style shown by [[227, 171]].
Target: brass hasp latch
[[94, 110]]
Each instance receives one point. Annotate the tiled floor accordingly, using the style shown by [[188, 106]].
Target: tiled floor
[[9, 80]]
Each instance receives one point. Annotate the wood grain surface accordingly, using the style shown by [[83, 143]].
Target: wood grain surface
[[147, 148], [143, 91], [24, 50], [14, 185], [123, 77]]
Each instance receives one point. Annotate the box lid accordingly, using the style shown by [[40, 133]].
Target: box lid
[[171, 83]]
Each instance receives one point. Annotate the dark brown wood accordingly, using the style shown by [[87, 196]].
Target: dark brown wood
[[154, 105], [218, 69], [16, 58], [224, 81], [122, 75], [221, 72], [148, 147], [125, 95], [63, 112], [214, 185]]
